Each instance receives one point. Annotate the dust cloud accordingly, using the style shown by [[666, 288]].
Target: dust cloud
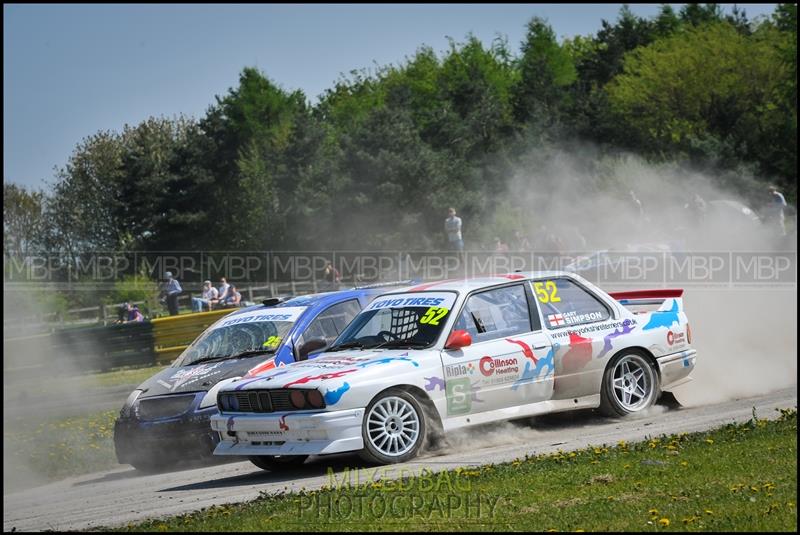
[[41, 384], [745, 333], [746, 341]]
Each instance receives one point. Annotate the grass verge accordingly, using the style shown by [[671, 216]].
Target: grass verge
[[39, 452], [741, 477]]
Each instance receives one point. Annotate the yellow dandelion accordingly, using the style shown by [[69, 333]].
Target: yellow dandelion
[[664, 522], [653, 511], [710, 440]]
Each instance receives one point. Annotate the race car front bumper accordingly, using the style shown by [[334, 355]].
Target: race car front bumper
[[187, 437], [294, 433]]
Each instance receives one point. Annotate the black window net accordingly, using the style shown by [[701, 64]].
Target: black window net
[[405, 323]]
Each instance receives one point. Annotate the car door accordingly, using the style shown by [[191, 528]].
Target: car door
[[509, 362], [583, 331]]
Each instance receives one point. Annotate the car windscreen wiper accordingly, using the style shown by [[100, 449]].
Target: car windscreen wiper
[[207, 359], [347, 345], [401, 344], [243, 354], [253, 352]]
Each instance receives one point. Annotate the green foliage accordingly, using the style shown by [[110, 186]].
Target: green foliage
[[546, 69], [135, 288], [23, 223], [708, 81], [377, 161]]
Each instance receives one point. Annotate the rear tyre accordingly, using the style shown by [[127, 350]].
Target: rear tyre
[[278, 463], [394, 428], [630, 384]]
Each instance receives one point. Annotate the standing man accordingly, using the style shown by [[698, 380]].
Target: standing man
[[452, 226], [331, 277], [171, 289], [636, 204], [777, 204]]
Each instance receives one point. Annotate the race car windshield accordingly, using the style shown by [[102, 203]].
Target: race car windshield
[[413, 320], [252, 333]]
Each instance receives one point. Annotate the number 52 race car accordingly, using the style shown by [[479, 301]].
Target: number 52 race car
[[445, 355]]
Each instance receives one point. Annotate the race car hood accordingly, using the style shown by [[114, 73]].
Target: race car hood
[[198, 377], [333, 368]]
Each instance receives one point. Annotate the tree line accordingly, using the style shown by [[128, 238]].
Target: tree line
[[376, 162]]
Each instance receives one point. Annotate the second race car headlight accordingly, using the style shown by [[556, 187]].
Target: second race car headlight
[[127, 408], [210, 399], [297, 399]]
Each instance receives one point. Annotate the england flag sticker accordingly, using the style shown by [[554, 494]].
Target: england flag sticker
[[555, 319]]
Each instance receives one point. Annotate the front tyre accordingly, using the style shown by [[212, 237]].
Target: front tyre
[[394, 428], [278, 463], [630, 384]]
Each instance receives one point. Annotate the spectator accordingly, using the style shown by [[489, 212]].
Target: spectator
[[578, 239], [548, 241], [775, 209], [638, 208], [222, 293], [134, 314], [499, 246], [210, 294], [521, 242], [331, 277], [233, 298], [122, 313], [698, 208], [170, 290], [452, 226]]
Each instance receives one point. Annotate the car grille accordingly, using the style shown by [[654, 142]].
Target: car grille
[[259, 401], [164, 407]]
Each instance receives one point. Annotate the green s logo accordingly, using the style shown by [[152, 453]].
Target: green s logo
[[459, 397]]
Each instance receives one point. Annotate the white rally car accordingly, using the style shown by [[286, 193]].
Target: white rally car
[[445, 355]]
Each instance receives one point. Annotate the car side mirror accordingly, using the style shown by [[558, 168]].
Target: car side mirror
[[458, 339], [315, 344]]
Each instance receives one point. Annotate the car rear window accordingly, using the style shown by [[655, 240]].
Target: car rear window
[[564, 303]]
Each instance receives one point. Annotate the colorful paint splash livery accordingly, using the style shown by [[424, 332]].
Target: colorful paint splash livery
[[486, 364], [166, 419]]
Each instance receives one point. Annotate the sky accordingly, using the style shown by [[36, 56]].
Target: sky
[[70, 71]]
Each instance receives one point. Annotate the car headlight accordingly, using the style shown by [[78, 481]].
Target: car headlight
[[126, 409], [210, 399]]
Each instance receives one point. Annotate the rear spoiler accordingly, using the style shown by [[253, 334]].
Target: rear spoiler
[[659, 297], [647, 294]]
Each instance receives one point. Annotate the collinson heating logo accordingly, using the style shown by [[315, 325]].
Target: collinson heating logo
[[676, 338], [489, 366]]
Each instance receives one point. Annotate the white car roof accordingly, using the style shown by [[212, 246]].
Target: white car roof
[[469, 284]]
